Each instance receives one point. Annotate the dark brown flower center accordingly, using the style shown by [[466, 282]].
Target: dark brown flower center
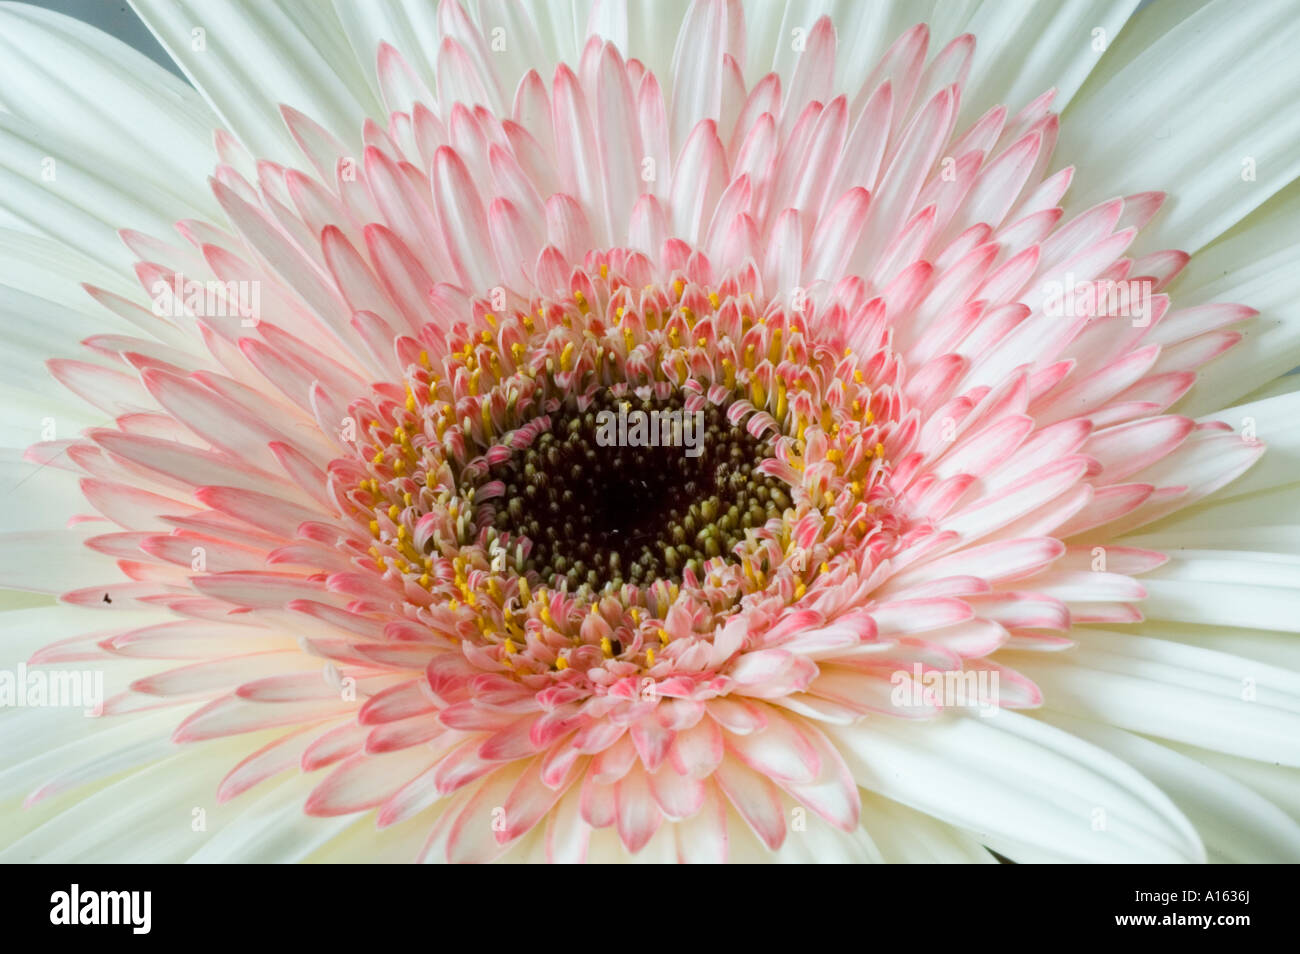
[[633, 490]]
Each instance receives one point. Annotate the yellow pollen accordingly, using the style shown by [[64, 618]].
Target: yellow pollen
[[561, 663], [606, 646], [650, 657]]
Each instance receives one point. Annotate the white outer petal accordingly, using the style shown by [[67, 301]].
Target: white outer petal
[[1012, 777]]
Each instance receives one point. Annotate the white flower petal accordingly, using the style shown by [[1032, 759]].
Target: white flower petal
[[1012, 777], [905, 836], [1185, 693], [1163, 120], [155, 129], [1232, 588], [1237, 824], [303, 58]]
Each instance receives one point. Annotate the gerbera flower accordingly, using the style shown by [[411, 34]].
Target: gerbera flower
[[346, 535]]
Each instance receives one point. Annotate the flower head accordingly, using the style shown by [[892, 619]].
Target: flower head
[[377, 484]]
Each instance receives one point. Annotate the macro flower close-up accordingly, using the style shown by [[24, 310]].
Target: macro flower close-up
[[651, 432]]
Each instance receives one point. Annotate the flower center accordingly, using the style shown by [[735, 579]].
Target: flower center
[[632, 490], [582, 488]]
